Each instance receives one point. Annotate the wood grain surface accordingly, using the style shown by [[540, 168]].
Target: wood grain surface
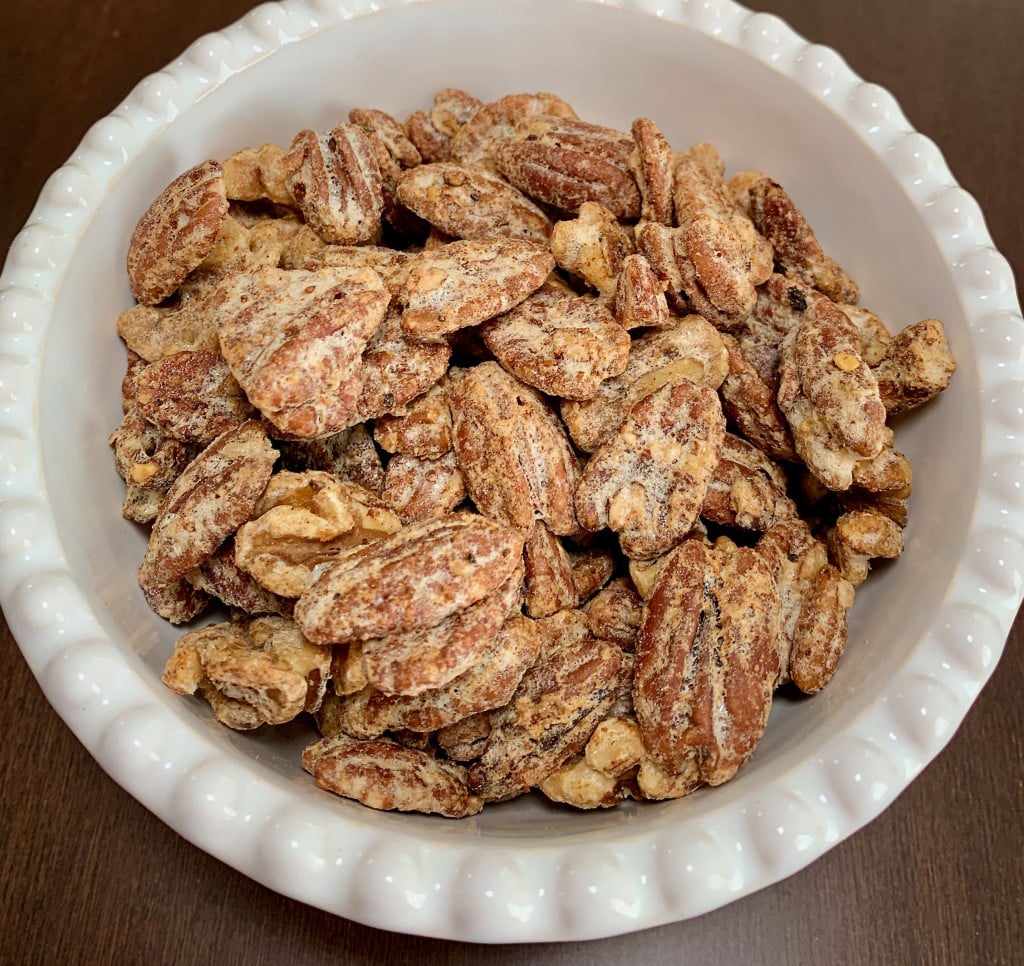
[[89, 876]]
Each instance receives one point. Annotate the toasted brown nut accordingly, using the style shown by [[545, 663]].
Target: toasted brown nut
[[396, 369], [391, 265], [178, 601], [797, 249], [304, 520], [191, 396], [471, 203], [649, 480], [349, 454], [747, 490], [477, 139], [917, 367], [564, 163], [452, 109], [145, 457], [559, 702], [489, 683], [616, 747], [592, 247], [222, 578], [384, 775], [410, 580], [257, 174], [420, 488], [829, 396], [561, 344], [860, 536], [592, 568], [576, 783], [432, 144], [707, 660], [874, 336], [423, 430], [640, 297], [214, 495], [294, 341], [515, 459], [468, 282], [187, 323], [692, 351], [652, 165], [176, 232], [465, 739], [549, 580], [335, 180], [141, 505], [614, 614], [425, 659]]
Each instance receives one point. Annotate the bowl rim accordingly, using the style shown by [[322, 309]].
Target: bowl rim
[[573, 888]]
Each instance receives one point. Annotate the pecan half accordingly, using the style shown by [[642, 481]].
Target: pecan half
[[468, 282], [144, 456], [413, 579], [176, 232], [336, 182], [219, 576], [214, 495], [515, 459], [592, 247], [471, 203], [649, 480], [349, 454], [860, 536], [385, 775], [652, 164], [257, 174], [549, 581], [188, 322], [424, 429], [294, 341], [420, 488], [562, 344], [917, 367], [706, 660], [797, 250], [614, 614], [639, 300], [747, 490]]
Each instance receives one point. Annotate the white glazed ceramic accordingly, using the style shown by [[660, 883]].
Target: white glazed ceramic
[[924, 637]]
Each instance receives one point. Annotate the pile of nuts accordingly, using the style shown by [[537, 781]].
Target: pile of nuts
[[518, 451]]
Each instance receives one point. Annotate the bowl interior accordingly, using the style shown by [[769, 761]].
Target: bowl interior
[[613, 65]]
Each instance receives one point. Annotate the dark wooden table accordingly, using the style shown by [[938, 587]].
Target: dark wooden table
[[89, 876]]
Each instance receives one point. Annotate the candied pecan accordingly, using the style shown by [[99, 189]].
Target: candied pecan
[[489, 683], [616, 747], [797, 250], [750, 405], [420, 488], [265, 665], [549, 581], [187, 323], [424, 429], [747, 490], [130, 382], [829, 396], [692, 350], [614, 613], [465, 739], [648, 481], [349, 454], [652, 165], [477, 139], [883, 484], [592, 247], [874, 336], [468, 282], [177, 601], [644, 573], [471, 203], [141, 505], [452, 109], [858, 537], [562, 344], [432, 144], [592, 568], [384, 127], [813, 601], [176, 232], [347, 672], [257, 174], [576, 783], [739, 186], [917, 366], [336, 182], [385, 775], [212, 497], [191, 396], [424, 659], [294, 342], [707, 660], [222, 578], [413, 579], [144, 456], [564, 162], [639, 300], [552, 714], [396, 369], [304, 520], [515, 459]]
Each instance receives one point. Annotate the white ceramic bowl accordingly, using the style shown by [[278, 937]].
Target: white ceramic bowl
[[924, 636]]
